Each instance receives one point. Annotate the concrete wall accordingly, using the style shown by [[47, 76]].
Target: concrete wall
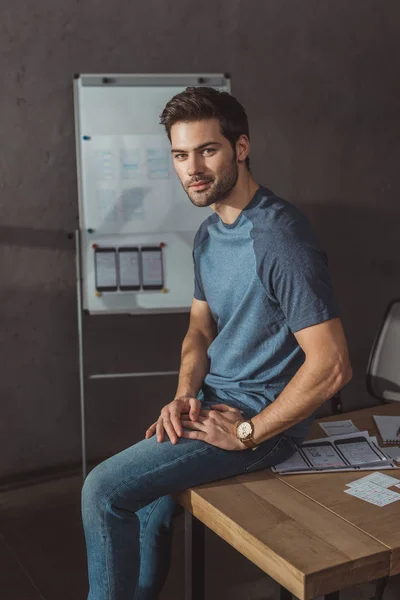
[[319, 79]]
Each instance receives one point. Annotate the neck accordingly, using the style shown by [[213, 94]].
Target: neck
[[230, 207]]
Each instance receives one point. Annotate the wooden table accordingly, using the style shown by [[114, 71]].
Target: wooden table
[[382, 524], [302, 530]]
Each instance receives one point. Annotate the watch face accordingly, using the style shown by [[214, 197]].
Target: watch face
[[244, 430]]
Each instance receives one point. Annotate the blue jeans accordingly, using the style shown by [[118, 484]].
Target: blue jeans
[[127, 510]]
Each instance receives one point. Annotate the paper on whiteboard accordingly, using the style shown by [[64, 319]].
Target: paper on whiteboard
[[158, 163], [338, 427], [130, 185], [129, 163]]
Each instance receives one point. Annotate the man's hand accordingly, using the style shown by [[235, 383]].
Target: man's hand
[[170, 418], [216, 427]]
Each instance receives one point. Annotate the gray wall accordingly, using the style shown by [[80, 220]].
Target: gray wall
[[319, 80]]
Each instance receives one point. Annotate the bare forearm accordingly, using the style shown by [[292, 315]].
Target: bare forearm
[[309, 388], [194, 364]]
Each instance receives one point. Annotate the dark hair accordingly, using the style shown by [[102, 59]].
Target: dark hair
[[197, 103]]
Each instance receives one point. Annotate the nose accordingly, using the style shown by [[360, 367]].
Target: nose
[[194, 165]]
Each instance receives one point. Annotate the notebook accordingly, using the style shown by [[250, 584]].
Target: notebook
[[388, 428]]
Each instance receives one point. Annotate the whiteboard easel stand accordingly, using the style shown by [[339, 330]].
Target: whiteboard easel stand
[[81, 359]]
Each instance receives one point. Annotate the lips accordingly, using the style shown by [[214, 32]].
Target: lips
[[199, 183]]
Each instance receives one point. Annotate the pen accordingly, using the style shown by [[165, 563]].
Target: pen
[[398, 432]]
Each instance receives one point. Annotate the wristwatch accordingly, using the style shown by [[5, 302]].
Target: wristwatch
[[245, 432]]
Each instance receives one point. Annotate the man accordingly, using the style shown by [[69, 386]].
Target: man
[[264, 349]]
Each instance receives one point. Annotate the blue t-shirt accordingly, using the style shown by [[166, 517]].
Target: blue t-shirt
[[264, 277]]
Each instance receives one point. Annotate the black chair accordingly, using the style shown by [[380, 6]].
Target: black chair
[[383, 370]]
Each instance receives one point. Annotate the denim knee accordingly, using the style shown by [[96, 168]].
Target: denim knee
[[96, 491]]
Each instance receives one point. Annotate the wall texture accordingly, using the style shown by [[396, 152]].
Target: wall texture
[[319, 80]]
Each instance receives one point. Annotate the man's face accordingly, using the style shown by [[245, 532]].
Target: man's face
[[204, 161]]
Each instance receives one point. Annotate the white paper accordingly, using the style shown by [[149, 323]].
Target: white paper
[[296, 461], [358, 453], [158, 163], [338, 427], [376, 478], [152, 268], [287, 468], [106, 269], [130, 186], [129, 163], [129, 273], [347, 436], [374, 494], [323, 456], [387, 465], [392, 452]]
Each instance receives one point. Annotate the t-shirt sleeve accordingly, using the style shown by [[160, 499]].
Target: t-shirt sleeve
[[198, 287], [299, 276]]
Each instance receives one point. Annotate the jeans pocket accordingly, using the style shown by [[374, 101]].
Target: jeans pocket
[[283, 448]]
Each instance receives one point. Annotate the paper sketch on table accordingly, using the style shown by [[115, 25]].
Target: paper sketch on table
[[376, 478], [359, 452], [338, 427], [373, 493]]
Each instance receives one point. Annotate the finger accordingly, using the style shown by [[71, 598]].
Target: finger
[[224, 408], [160, 429], [170, 430], [194, 410], [194, 435], [176, 422], [193, 425], [200, 419], [150, 430], [205, 412]]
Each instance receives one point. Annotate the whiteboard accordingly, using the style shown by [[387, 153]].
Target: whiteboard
[[129, 193]]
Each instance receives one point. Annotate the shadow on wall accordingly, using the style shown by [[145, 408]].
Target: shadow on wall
[[29, 237]]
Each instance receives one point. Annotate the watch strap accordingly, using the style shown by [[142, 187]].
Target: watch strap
[[250, 444]]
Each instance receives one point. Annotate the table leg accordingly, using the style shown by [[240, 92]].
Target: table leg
[[194, 558], [380, 588]]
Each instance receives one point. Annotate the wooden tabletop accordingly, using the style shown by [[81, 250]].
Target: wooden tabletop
[[381, 523], [303, 545]]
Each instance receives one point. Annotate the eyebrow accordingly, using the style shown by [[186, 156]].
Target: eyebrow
[[198, 147]]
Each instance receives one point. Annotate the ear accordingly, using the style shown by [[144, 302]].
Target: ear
[[242, 148]]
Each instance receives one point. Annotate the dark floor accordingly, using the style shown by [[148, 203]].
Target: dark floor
[[42, 553]]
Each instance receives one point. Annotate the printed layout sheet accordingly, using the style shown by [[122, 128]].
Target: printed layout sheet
[[338, 427], [373, 489], [348, 452]]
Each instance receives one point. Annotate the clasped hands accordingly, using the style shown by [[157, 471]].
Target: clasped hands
[[215, 426]]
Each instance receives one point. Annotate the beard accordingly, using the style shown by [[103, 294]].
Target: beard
[[217, 190]]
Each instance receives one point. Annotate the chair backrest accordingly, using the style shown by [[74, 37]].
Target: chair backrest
[[383, 370]]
